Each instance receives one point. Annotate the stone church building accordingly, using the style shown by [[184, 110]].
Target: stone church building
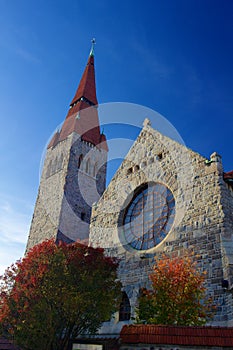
[[163, 198]]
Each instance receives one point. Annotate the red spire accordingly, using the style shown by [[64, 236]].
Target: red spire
[[85, 95], [82, 116], [86, 87]]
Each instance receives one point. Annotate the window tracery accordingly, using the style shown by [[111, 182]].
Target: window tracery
[[149, 216]]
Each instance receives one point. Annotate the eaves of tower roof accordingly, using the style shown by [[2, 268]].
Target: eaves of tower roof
[[85, 123]]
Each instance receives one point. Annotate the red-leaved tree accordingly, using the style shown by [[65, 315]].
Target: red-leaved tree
[[57, 292], [178, 294]]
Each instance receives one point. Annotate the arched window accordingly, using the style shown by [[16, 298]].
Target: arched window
[[88, 166], [80, 160], [124, 312]]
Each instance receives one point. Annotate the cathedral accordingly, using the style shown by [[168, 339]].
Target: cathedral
[[163, 198]]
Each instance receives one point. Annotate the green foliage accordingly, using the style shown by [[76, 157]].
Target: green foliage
[[178, 295], [57, 292]]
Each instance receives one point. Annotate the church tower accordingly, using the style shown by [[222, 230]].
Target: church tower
[[74, 171]]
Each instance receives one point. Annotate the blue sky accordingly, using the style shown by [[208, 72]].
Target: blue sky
[[174, 57]]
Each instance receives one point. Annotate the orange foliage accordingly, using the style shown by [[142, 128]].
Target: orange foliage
[[178, 294]]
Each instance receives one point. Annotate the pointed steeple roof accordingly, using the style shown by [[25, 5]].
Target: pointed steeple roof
[[82, 116], [86, 86], [85, 95]]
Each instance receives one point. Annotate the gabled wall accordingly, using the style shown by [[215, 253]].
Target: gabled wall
[[203, 221]]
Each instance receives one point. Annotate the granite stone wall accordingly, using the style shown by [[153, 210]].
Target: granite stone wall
[[73, 177], [203, 222]]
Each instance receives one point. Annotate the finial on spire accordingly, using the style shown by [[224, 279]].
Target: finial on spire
[[92, 47], [147, 122]]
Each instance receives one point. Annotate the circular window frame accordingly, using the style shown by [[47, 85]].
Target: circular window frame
[[150, 236]]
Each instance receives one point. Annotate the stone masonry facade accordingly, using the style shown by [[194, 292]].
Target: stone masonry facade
[[73, 177], [203, 221]]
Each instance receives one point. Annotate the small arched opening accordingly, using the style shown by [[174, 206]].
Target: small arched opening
[[124, 311]]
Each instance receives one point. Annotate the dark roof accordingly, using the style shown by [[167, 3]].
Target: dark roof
[[84, 123], [7, 345], [177, 335], [228, 175], [87, 86]]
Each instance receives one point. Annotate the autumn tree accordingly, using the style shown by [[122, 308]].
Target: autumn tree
[[57, 292], [178, 295]]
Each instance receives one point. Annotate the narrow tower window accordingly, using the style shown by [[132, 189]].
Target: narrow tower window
[[95, 169], [49, 169], [60, 163], [88, 166], [80, 160], [54, 166]]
